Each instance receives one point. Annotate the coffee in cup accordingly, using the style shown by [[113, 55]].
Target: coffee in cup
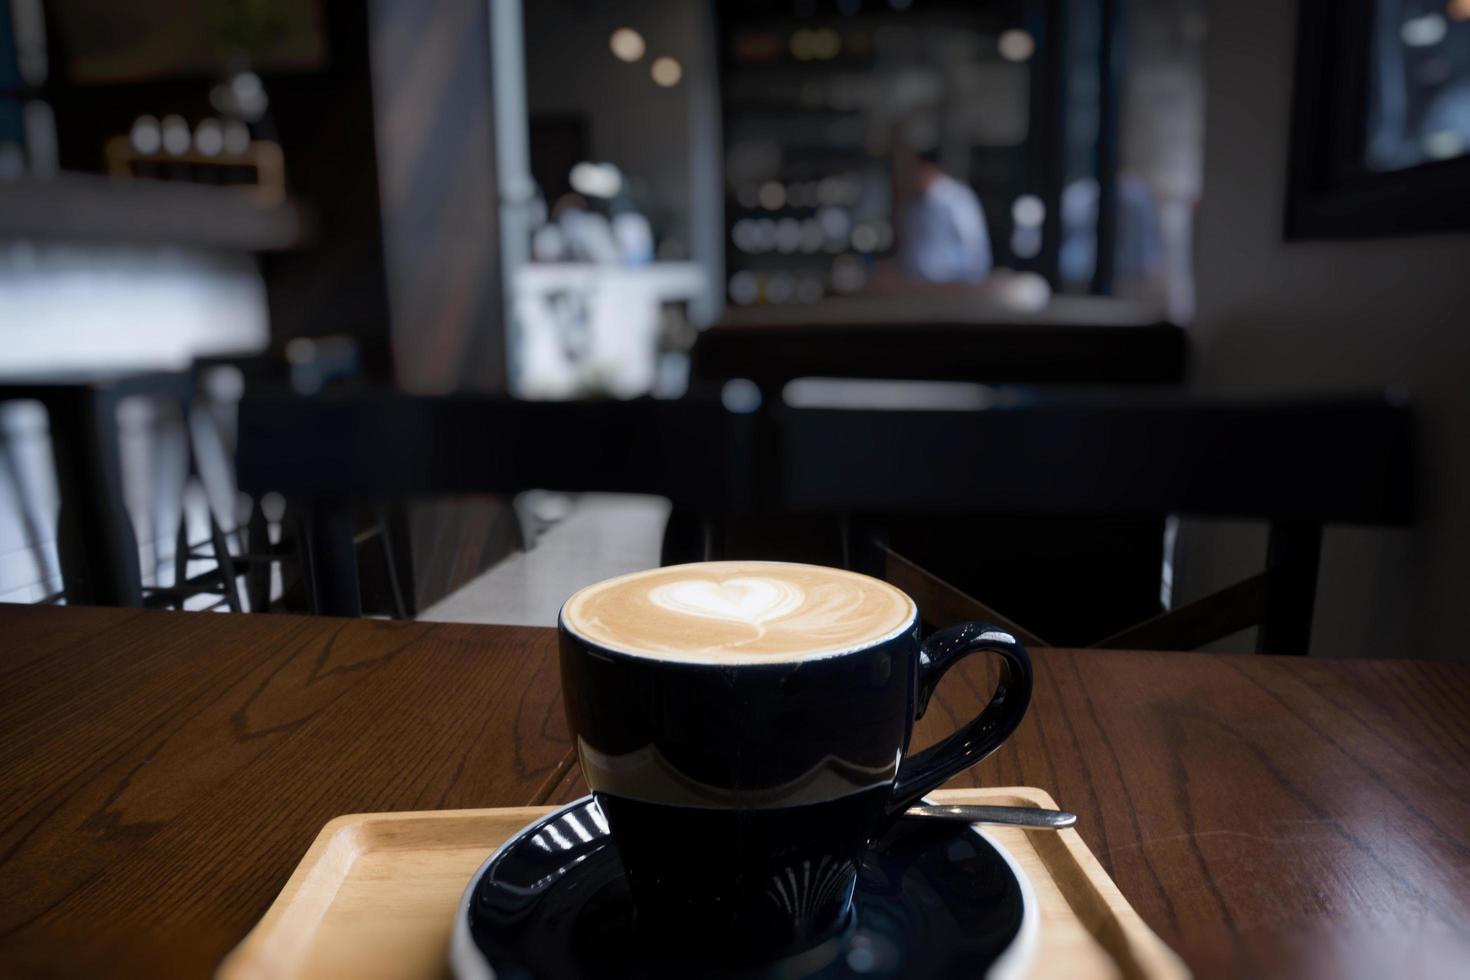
[[743, 727]]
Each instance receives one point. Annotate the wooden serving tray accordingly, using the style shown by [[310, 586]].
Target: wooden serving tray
[[377, 893]]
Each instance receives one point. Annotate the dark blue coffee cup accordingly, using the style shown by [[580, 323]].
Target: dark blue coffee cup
[[741, 796]]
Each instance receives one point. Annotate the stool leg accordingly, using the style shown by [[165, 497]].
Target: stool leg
[[181, 555], [225, 566], [386, 534], [258, 573], [1292, 555], [333, 574], [99, 552]]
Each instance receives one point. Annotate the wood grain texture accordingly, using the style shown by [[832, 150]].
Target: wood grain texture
[[162, 773], [1267, 817], [375, 896]]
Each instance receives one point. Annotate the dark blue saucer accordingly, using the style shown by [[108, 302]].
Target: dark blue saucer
[[933, 899]]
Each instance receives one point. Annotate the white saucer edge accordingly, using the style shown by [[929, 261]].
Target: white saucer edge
[[1015, 960], [465, 960]]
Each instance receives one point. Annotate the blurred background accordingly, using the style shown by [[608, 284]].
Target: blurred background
[[581, 199]]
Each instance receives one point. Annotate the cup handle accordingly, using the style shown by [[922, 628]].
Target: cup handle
[[924, 771]]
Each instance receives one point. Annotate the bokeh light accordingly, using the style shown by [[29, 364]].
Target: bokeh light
[[666, 71], [1016, 45], [627, 44]]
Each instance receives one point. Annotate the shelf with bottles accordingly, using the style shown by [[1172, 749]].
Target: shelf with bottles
[[93, 208]]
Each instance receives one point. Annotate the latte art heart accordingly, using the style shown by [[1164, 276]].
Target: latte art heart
[[742, 600], [738, 612]]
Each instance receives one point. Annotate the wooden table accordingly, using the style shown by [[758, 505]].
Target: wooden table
[[161, 774]]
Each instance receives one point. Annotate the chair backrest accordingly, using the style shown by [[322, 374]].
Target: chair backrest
[[954, 341], [1324, 460], [383, 444], [1147, 354], [1297, 463]]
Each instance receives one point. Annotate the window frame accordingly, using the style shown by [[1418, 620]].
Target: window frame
[[1330, 191]]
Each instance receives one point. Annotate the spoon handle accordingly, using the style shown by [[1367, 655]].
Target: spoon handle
[[1025, 817]]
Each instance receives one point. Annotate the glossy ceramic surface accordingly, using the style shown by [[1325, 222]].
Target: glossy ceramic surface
[[793, 767], [932, 899]]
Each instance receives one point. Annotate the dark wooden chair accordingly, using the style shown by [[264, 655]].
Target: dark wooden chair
[[329, 454], [1297, 464], [380, 531], [1108, 568], [1035, 353]]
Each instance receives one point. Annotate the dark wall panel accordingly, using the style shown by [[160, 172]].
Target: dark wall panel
[[432, 96]]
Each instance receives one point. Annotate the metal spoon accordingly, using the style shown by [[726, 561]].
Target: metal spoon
[[1025, 817]]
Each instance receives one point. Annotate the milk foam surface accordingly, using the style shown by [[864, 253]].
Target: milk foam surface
[[738, 612]]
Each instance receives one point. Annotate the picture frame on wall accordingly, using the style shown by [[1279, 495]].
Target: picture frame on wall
[[1380, 132]]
